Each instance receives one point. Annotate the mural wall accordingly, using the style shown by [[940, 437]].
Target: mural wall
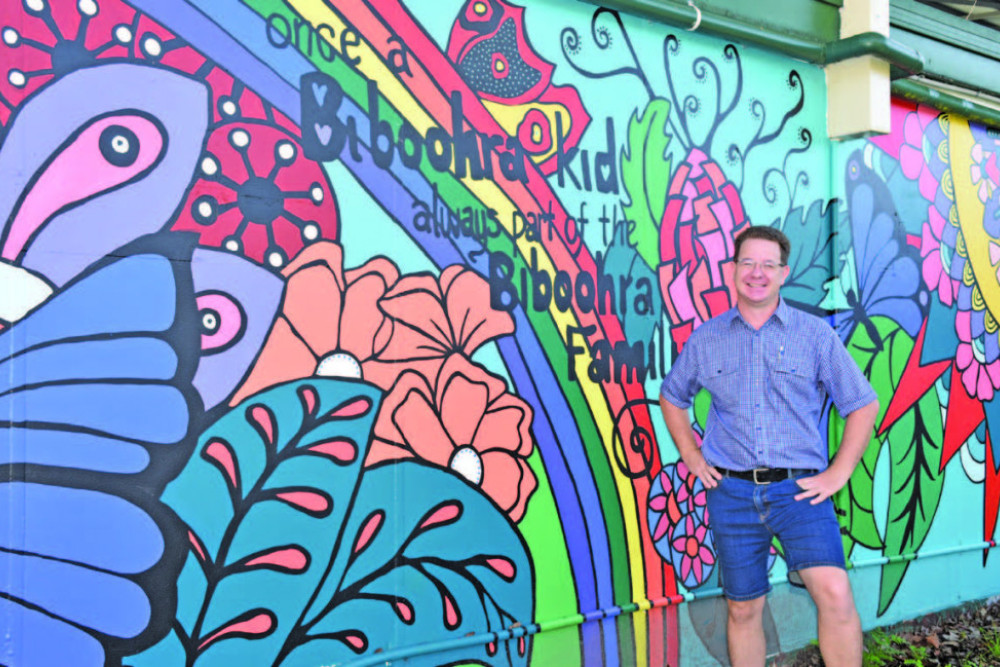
[[332, 332]]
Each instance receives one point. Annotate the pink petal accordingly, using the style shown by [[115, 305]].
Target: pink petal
[[467, 299], [463, 403], [661, 527], [706, 555], [911, 160], [964, 358], [984, 388], [928, 185]]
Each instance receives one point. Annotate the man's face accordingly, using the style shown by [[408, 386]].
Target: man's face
[[759, 274]]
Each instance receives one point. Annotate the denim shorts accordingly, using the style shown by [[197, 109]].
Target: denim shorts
[[744, 518]]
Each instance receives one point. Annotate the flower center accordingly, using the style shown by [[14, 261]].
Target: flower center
[[466, 462], [339, 365], [691, 547]]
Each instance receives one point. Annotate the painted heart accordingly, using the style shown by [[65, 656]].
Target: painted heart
[[319, 92], [323, 133]]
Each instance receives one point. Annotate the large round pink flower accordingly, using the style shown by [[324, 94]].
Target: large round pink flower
[[980, 378], [465, 421], [330, 323]]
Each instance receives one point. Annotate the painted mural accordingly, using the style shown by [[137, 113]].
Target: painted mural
[[332, 331]]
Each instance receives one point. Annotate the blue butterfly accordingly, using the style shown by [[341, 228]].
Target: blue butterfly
[[101, 398], [886, 278]]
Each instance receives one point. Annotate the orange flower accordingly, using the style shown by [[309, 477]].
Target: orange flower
[[330, 323], [467, 422], [434, 317]]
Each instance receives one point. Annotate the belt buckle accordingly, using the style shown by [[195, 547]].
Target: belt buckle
[[755, 480]]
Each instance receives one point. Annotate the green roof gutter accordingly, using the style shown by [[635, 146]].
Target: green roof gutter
[[686, 16], [905, 60], [919, 92]]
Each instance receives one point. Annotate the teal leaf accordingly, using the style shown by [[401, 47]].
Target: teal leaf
[[441, 565], [810, 264], [298, 555], [262, 499], [646, 168]]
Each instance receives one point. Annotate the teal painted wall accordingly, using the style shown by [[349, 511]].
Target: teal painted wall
[[310, 354]]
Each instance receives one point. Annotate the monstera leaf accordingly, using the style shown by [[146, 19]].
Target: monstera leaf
[[646, 175], [298, 556]]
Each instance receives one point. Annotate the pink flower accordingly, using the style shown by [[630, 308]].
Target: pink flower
[[934, 272], [692, 544], [330, 323], [466, 422], [435, 317], [979, 378]]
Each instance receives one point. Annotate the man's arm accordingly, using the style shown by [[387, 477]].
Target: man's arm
[[683, 435], [857, 433]]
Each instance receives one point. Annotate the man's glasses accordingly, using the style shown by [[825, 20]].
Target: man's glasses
[[749, 265]]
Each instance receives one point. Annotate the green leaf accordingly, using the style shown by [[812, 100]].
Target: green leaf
[[916, 482], [890, 348], [646, 169]]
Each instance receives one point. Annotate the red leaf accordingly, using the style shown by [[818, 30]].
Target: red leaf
[[341, 450], [220, 454], [315, 503], [292, 559], [503, 567], [404, 610], [452, 618], [254, 624], [199, 548], [262, 419], [443, 514], [307, 394], [355, 639], [368, 531], [349, 409]]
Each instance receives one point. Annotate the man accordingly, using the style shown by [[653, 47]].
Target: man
[[769, 369]]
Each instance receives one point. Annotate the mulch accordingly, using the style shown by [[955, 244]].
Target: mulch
[[968, 636]]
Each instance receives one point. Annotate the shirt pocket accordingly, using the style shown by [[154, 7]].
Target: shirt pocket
[[795, 378], [723, 382]]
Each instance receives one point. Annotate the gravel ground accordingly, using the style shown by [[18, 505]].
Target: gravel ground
[[965, 637]]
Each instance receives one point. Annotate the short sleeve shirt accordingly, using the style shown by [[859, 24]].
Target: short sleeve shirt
[[768, 386]]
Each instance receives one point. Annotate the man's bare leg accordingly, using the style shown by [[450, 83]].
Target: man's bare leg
[[745, 632], [839, 627]]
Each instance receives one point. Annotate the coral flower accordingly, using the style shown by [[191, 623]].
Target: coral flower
[[330, 323], [434, 317], [466, 422]]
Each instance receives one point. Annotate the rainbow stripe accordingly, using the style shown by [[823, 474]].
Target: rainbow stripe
[[602, 511]]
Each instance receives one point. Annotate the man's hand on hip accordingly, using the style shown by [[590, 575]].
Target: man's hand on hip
[[697, 464], [820, 487]]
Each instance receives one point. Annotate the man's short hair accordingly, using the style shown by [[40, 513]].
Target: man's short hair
[[764, 233]]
